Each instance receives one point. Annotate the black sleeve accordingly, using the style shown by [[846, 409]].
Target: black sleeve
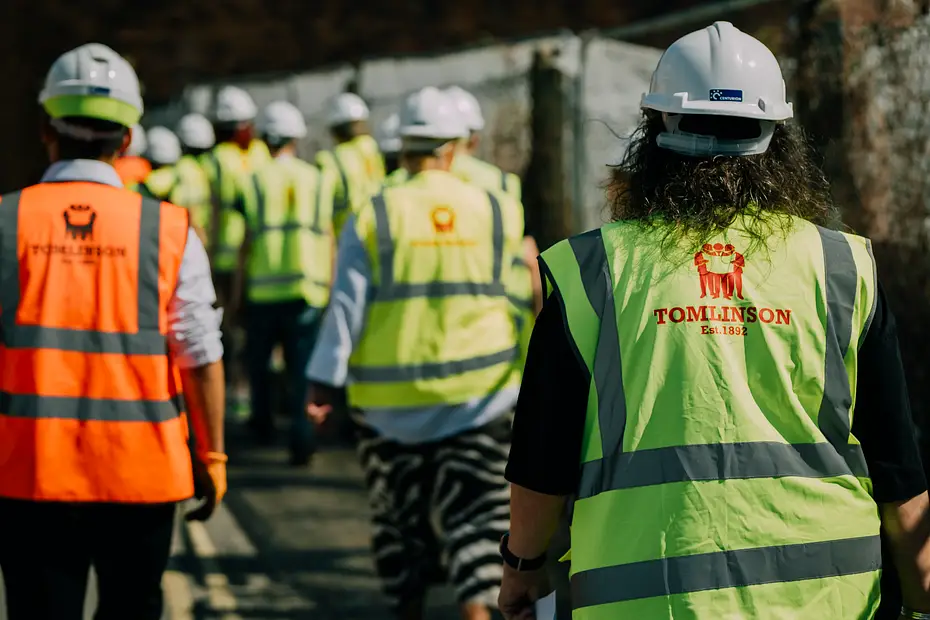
[[549, 422], [882, 419]]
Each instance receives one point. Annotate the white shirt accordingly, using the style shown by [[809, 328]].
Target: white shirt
[[193, 322]]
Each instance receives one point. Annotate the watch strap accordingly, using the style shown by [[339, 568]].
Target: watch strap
[[516, 562]]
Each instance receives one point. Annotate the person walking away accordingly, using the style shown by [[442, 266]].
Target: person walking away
[[389, 144], [288, 257], [355, 162], [186, 183], [107, 320], [524, 288], [419, 327], [229, 165], [132, 167], [163, 152], [749, 451]]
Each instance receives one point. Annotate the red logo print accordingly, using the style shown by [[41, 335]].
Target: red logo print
[[720, 268]]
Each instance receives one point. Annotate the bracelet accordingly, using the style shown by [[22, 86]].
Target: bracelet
[[219, 457], [914, 615]]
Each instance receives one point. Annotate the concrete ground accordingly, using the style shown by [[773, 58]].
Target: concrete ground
[[286, 544]]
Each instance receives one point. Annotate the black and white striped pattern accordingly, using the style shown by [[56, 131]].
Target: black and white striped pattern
[[439, 511]]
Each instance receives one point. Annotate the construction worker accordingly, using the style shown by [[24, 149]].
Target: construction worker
[[524, 288], [163, 150], [692, 377], [419, 324], [389, 144], [229, 165], [192, 189], [107, 320], [133, 167], [288, 258], [355, 162]]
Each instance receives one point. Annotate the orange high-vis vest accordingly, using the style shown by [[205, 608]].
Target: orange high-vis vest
[[132, 169], [90, 400]]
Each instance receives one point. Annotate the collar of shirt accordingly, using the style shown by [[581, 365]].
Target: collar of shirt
[[89, 170]]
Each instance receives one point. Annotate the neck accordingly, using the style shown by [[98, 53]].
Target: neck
[[416, 165]]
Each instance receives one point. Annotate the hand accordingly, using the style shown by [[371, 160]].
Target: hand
[[209, 484], [319, 403], [519, 592]]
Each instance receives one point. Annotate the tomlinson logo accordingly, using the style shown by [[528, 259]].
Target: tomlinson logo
[[721, 271], [79, 222], [443, 219], [720, 275]]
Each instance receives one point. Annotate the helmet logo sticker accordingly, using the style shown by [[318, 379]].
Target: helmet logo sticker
[[726, 94]]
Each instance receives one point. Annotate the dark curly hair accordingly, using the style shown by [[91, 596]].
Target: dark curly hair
[[700, 197]]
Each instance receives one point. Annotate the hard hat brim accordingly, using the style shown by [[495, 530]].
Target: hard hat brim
[[680, 104], [101, 108]]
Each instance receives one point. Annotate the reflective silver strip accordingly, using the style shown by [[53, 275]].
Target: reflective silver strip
[[726, 569], [619, 470], [282, 278], [842, 283], [709, 462], [441, 289], [88, 409], [436, 370], [608, 373], [147, 341], [346, 202], [868, 320], [389, 290]]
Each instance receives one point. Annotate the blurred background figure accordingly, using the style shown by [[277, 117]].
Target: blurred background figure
[[421, 322], [132, 167], [163, 149], [229, 165], [355, 161], [288, 264], [389, 142]]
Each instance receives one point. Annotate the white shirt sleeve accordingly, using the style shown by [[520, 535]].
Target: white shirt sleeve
[[193, 323], [344, 320]]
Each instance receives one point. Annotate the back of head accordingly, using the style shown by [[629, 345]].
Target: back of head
[[715, 142], [233, 114], [429, 122], [346, 115], [164, 148], [195, 132], [91, 98], [281, 123]]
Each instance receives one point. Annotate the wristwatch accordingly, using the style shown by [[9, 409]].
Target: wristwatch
[[516, 562]]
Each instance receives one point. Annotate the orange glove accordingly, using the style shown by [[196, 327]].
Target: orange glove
[[216, 468], [209, 484]]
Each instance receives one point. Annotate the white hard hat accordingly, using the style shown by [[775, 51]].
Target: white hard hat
[[389, 134], [138, 144], [195, 131], [93, 81], [430, 113], [234, 105], [723, 72], [346, 108], [468, 107], [164, 147], [282, 120]]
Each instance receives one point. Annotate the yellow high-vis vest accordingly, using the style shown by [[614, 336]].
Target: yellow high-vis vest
[[229, 168], [185, 184], [439, 329], [358, 169], [288, 208], [719, 475]]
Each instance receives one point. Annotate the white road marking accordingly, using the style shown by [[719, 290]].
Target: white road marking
[[219, 595]]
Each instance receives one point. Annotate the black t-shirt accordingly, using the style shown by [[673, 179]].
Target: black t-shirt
[[549, 423]]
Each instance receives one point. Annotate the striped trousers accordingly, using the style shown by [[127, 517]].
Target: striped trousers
[[439, 511]]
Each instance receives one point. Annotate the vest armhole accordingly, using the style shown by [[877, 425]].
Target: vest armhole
[[553, 292], [874, 306]]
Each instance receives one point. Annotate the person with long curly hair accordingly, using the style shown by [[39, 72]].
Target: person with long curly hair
[[714, 379]]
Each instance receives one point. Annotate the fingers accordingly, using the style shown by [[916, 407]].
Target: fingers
[[204, 512], [318, 413]]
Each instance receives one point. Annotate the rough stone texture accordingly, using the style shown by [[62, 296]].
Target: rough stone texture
[[863, 89]]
